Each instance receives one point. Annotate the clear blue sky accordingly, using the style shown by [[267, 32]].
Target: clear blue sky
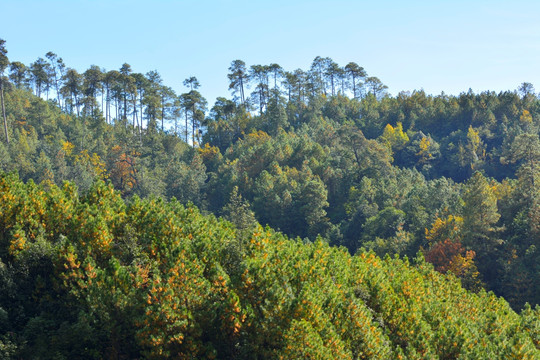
[[448, 46]]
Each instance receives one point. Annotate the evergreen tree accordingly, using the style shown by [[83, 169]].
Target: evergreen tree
[[18, 74], [238, 78], [355, 72]]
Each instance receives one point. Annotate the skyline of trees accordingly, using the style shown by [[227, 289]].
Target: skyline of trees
[[144, 101]]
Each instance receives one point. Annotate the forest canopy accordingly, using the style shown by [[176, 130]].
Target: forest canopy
[[112, 184], [94, 276]]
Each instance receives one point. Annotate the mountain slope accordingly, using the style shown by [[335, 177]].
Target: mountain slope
[[93, 276]]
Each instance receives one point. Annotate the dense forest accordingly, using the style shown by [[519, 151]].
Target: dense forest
[[110, 245]]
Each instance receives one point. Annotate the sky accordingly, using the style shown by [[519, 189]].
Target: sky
[[436, 45]]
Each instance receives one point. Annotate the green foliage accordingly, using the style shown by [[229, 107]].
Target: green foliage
[[92, 276], [326, 152]]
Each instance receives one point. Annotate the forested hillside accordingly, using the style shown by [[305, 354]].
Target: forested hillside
[[318, 152], [94, 277]]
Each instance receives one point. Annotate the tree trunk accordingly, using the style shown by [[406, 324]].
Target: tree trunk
[[135, 117], [102, 96], [92, 101], [4, 109], [187, 131], [135, 120], [242, 90], [141, 112], [193, 126], [57, 90], [125, 107], [76, 101], [107, 105]]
